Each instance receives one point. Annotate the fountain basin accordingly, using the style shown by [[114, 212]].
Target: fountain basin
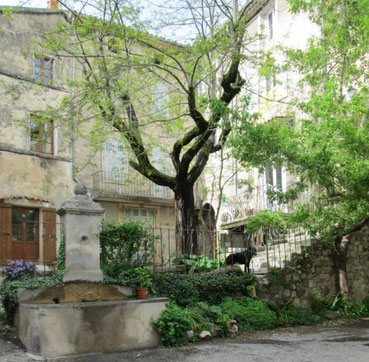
[[65, 329]]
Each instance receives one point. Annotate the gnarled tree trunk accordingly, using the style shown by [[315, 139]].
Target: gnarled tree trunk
[[186, 220], [340, 261]]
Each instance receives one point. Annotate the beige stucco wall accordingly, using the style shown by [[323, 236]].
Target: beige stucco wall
[[20, 95], [25, 175], [18, 33], [112, 213], [165, 217], [22, 171]]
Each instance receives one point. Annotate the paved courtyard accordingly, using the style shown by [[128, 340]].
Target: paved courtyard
[[348, 341]]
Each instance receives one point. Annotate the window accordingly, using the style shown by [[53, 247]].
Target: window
[[270, 25], [273, 182], [42, 135], [144, 215], [44, 70], [270, 82], [25, 233], [115, 160], [161, 99]]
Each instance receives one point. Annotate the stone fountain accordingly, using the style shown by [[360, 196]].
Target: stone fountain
[[84, 316]]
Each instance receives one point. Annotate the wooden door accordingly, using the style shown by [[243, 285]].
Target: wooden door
[[5, 232], [49, 235], [25, 233]]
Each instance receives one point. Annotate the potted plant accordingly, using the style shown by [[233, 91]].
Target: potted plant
[[143, 282]]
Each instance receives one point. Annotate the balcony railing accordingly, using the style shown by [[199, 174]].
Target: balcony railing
[[114, 184]]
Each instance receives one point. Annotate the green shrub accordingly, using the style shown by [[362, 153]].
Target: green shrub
[[359, 309], [236, 311], [290, 315], [126, 277], [178, 287], [173, 324], [318, 304], [185, 289], [250, 313], [345, 306], [260, 317], [214, 315], [274, 275], [9, 300], [197, 263], [124, 246], [175, 321], [200, 320]]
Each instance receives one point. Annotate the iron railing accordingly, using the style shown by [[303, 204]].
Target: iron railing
[[275, 248], [113, 184]]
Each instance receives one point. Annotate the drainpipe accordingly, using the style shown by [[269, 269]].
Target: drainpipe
[[73, 135], [235, 10]]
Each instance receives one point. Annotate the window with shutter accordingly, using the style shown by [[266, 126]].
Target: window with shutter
[[49, 235], [43, 69], [5, 232]]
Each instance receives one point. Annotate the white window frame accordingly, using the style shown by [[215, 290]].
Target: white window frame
[[267, 204], [270, 24]]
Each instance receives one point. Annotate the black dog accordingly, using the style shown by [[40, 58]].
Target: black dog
[[242, 258]]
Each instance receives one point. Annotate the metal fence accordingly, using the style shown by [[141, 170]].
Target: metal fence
[[274, 248]]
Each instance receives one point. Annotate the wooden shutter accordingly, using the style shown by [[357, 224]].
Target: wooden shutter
[[49, 235], [5, 232]]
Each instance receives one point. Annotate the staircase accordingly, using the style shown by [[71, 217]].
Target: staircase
[[279, 249]]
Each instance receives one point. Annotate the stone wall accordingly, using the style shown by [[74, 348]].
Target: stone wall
[[313, 272]]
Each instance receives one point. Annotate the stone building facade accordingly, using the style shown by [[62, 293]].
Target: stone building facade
[[40, 161], [35, 160]]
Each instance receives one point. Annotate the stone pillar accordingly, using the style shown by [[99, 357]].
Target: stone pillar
[[81, 222]]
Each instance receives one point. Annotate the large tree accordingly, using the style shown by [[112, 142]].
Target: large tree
[[328, 148], [122, 66]]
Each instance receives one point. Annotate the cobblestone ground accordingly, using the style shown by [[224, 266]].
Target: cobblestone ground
[[339, 341]]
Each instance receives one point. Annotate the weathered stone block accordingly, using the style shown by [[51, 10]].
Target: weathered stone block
[[56, 330], [81, 222]]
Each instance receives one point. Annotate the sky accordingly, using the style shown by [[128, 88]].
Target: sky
[[32, 3]]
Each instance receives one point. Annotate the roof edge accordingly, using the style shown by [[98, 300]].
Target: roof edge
[[29, 10]]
